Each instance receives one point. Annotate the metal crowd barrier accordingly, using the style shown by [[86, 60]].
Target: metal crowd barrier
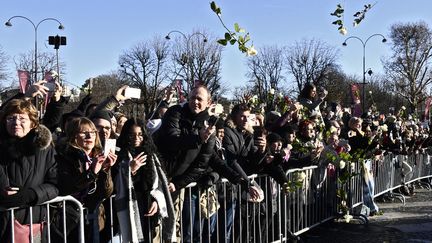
[[49, 207], [281, 217]]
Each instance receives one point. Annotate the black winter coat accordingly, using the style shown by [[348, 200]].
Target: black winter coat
[[178, 141], [74, 180], [26, 163]]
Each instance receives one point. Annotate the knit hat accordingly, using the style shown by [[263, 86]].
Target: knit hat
[[101, 114], [274, 137]]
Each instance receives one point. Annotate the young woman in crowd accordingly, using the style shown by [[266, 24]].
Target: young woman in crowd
[[84, 172], [311, 100], [142, 195]]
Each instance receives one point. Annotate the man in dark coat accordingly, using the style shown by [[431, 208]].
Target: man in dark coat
[[186, 143]]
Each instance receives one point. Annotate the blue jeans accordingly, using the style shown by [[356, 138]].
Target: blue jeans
[[190, 206], [226, 215]]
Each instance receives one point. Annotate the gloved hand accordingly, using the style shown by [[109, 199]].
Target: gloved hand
[[25, 196], [285, 188], [205, 182], [84, 103], [208, 180]]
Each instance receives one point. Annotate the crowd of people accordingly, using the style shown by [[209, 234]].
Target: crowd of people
[[154, 160]]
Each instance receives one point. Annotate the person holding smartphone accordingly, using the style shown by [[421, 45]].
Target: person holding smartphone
[[138, 160], [84, 172]]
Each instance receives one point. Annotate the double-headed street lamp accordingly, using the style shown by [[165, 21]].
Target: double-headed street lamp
[[35, 26], [364, 60], [185, 59]]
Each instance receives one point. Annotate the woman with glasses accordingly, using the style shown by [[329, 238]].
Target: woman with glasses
[[84, 172], [28, 171], [142, 195]]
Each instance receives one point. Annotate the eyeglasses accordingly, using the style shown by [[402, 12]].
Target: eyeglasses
[[87, 134], [134, 135], [17, 118], [103, 127]]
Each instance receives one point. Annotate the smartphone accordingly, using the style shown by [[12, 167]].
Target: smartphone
[[51, 86], [13, 188], [132, 93], [212, 120], [110, 145], [258, 132]]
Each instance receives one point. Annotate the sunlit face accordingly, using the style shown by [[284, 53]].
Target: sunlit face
[[114, 124], [275, 147], [220, 133], [367, 130], [242, 120], [309, 131], [357, 125], [312, 93], [199, 100], [18, 125], [104, 128], [86, 138], [290, 138], [333, 140], [120, 124], [135, 136]]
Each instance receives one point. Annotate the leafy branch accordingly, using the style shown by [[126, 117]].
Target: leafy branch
[[358, 17], [239, 35]]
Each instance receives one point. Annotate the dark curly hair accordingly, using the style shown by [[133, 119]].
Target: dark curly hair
[[123, 140]]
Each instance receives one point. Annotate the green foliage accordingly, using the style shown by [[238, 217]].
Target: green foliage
[[296, 182], [358, 17], [239, 35]]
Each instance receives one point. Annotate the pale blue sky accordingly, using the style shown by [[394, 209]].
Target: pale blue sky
[[98, 31]]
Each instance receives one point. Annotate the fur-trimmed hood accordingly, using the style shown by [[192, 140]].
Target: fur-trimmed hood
[[43, 137], [39, 138]]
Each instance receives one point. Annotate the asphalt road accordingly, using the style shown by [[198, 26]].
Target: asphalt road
[[411, 222]]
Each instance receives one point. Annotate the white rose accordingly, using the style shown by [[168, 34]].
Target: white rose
[[347, 218], [343, 31], [301, 176], [403, 108], [251, 51], [342, 164], [370, 92], [272, 91], [254, 98]]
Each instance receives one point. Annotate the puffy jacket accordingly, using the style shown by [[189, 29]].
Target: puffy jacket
[[185, 154], [76, 181], [28, 163]]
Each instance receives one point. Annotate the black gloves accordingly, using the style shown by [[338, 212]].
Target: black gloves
[[208, 180], [26, 196]]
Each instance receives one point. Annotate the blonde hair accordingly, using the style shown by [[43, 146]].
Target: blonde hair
[[354, 120], [73, 129]]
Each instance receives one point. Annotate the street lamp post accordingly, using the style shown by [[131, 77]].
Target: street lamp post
[[35, 26], [364, 60], [187, 39]]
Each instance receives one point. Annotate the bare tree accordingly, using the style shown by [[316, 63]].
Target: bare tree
[[197, 56], [3, 67], [265, 70], [145, 66], [310, 61], [409, 66], [47, 61]]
